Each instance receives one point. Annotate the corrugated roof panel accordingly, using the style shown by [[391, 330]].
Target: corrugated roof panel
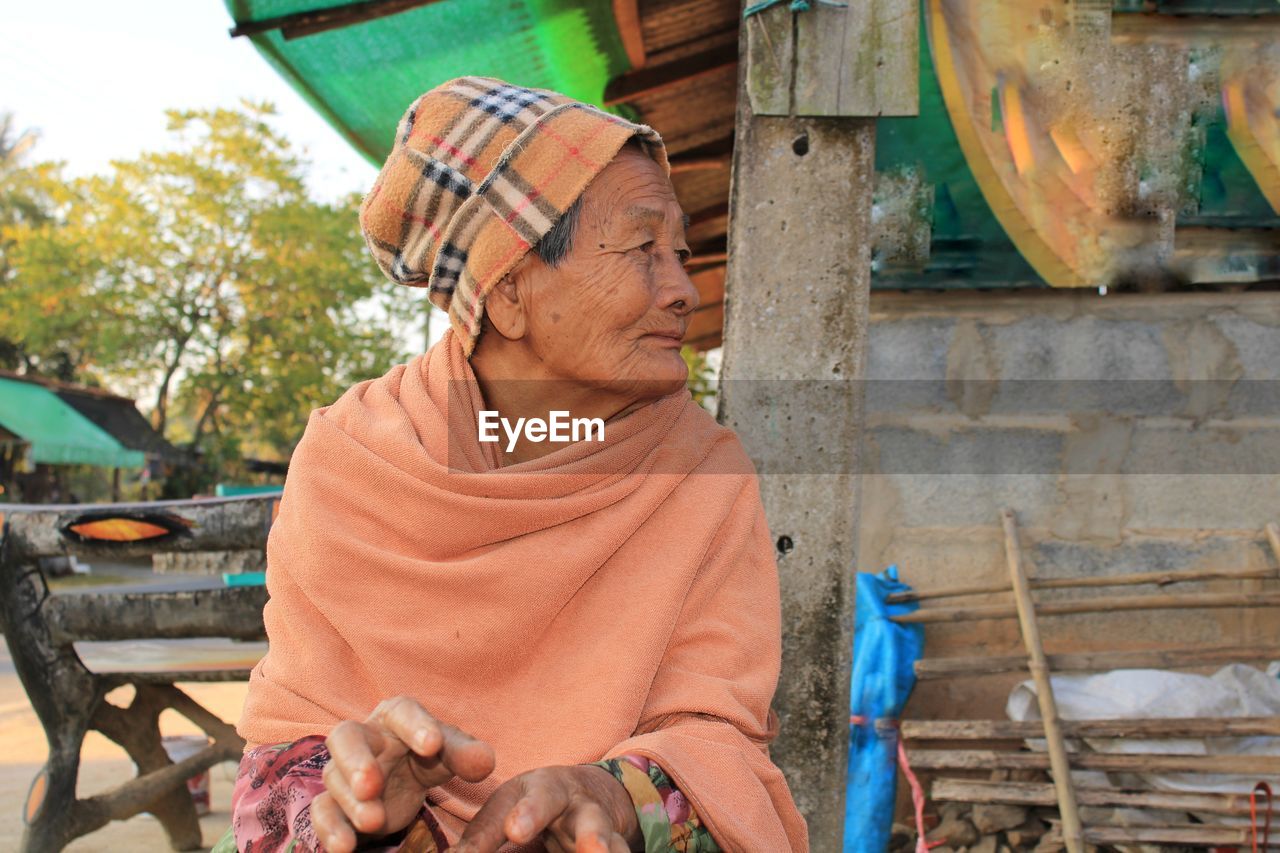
[[58, 434], [363, 76]]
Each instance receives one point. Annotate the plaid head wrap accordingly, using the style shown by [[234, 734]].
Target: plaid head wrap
[[480, 171]]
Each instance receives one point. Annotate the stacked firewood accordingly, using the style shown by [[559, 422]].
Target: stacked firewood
[[1016, 811], [984, 828]]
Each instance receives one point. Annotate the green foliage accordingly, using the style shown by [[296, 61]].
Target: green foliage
[[208, 276], [702, 378], [28, 195]]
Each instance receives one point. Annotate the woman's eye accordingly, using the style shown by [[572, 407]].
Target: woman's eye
[[684, 255]]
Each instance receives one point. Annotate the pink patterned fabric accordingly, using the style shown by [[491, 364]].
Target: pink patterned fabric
[[271, 803]]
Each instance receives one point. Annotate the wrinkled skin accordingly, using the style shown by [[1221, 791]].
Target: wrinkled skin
[[598, 335], [601, 331], [381, 768]]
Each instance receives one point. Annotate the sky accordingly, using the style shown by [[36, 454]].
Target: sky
[[95, 77]]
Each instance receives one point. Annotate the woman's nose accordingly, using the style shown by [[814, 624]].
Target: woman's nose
[[678, 291]]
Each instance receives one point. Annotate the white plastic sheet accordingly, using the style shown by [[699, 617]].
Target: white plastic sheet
[[1233, 691]]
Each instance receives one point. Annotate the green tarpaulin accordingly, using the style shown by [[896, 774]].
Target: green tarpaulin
[[58, 434], [362, 77]]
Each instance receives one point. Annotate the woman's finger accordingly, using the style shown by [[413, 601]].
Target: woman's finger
[[467, 757], [352, 753], [364, 815], [590, 826], [404, 718], [487, 830], [544, 801], [330, 825], [434, 742]]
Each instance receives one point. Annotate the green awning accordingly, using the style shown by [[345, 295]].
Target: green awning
[[362, 77], [58, 434]]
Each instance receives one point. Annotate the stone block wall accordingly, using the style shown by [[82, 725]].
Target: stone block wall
[[1129, 432]]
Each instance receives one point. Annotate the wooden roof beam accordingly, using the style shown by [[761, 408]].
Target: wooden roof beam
[[627, 15], [659, 78], [309, 23], [1155, 28], [714, 155], [700, 164], [711, 259], [707, 214]]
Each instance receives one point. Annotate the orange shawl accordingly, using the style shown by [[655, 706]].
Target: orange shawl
[[611, 597]]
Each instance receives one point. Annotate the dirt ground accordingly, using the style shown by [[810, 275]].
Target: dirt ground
[[23, 751]]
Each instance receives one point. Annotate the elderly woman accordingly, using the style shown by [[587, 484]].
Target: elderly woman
[[560, 645]]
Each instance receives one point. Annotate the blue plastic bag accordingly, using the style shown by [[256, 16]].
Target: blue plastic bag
[[884, 655]]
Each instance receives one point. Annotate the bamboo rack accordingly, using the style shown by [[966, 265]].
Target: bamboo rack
[[1148, 728], [1064, 755], [1161, 578], [1189, 835], [1042, 794], [933, 668], [989, 759], [1101, 604], [1134, 579]]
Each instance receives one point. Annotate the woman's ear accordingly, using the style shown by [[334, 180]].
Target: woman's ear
[[506, 312]]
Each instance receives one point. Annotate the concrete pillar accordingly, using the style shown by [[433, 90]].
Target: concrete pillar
[[797, 293]]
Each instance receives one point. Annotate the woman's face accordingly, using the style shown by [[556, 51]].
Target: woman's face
[[613, 312]]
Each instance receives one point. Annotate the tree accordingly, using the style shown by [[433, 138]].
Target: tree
[[207, 274], [25, 203]]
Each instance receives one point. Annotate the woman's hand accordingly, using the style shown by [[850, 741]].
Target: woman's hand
[[379, 771], [580, 809]]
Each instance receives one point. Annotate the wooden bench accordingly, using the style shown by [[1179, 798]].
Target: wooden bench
[[41, 629]]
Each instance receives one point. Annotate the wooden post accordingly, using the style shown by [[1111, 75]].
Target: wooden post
[[1072, 835], [860, 60]]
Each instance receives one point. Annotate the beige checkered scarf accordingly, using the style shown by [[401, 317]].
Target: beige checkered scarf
[[480, 171]]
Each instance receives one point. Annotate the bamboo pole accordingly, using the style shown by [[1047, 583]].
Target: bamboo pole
[[1250, 623], [1071, 831], [1042, 794], [987, 759], [935, 668], [1190, 727], [1185, 835], [1102, 604], [321, 20], [1189, 835], [1135, 579]]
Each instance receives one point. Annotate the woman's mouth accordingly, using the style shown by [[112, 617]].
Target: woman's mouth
[[673, 338]]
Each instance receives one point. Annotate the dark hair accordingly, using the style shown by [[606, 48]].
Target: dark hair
[[556, 243]]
